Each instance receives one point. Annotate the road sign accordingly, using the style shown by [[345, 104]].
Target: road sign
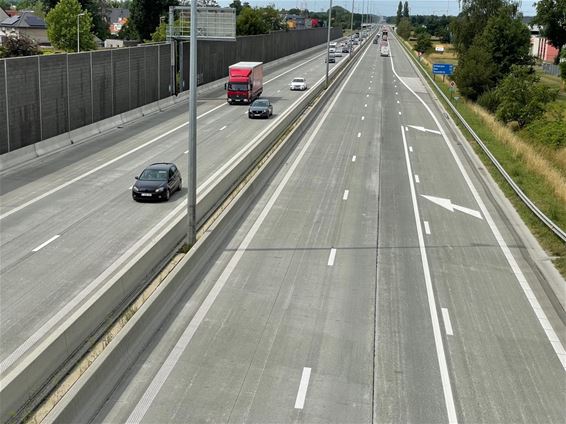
[[443, 68]]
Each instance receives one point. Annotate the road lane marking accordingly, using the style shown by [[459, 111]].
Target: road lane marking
[[363, 117], [302, 393], [447, 204], [366, 105], [399, 112], [439, 344], [157, 383], [427, 228], [369, 88], [123, 155], [396, 93], [417, 179], [346, 193], [359, 134], [411, 149], [223, 128], [423, 129], [186, 152], [331, 257], [367, 95], [354, 158], [42, 245], [447, 323], [398, 102]]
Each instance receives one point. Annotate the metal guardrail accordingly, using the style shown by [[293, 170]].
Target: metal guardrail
[[559, 232]]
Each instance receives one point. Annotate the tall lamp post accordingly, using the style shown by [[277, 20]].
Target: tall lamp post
[[78, 31], [328, 42]]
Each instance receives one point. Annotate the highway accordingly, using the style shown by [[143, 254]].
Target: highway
[[378, 278], [67, 220]]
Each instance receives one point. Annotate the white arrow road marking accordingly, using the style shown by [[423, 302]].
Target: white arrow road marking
[[447, 323], [447, 204], [423, 129]]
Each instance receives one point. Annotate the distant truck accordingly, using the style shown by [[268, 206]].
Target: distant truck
[[245, 82], [384, 50]]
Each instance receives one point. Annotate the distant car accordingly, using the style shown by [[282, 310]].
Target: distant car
[[298, 84], [157, 182], [345, 49], [261, 108], [338, 53], [355, 42], [332, 50], [330, 58]]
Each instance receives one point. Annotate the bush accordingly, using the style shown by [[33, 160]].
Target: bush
[[19, 46], [549, 130], [475, 73], [489, 100], [423, 42]]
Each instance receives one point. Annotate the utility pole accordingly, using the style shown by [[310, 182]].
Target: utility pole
[[328, 42]]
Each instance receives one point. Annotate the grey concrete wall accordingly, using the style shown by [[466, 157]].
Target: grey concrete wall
[[50, 95]]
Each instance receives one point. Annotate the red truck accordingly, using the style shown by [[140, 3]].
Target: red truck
[[245, 82]]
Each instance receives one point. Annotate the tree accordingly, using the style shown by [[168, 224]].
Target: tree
[[563, 67], [404, 28], [551, 16], [521, 98], [62, 26], [236, 4], [127, 32], [19, 46], [271, 18], [508, 41], [38, 7], [250, 22], [475, 73], [399, 13], [96, 9], [406, 9], [160, 33], [144, 15], [423, 42]]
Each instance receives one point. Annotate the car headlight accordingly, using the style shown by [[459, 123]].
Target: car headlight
[[159, 190], [135, 189]]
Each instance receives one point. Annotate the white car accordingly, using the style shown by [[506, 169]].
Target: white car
[[298, 84]]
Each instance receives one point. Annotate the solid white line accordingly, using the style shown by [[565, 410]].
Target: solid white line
[[417, 179], [426, 228], [359, 134], [535, 305], [302, 393], [447, 323], [221, 129], [155, 386], [42, 245], [331, 257], [354, 158], [346, 193], [440, 353], [411, 149]]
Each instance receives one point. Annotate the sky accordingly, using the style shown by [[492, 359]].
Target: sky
[[384, 8]]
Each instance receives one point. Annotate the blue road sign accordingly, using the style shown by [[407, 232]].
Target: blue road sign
[[443, 68]]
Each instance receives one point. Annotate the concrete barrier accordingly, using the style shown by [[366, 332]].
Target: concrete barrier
[[132, 115], [17, 157], [83, 133], [53, 144], [91, 391], [69, 340]]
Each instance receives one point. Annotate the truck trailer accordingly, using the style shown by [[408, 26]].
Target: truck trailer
[[245, 82]]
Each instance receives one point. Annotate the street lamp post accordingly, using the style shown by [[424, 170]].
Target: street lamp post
[[328, 42], [78, 32]]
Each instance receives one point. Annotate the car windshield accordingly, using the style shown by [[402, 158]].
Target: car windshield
[[237, 86], [299, 80], [154, 175], [261, 103]]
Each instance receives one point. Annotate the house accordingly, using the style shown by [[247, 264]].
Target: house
[[117, 18], [25, 24], [3, 15], [541, 47]]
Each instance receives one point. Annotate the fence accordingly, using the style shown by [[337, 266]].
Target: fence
[[44, 96], [551, 69]]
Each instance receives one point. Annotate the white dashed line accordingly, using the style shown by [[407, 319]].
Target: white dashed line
[[331, 257], [42, 245], [367, 95], [366, 105], [346, 193], [411, 149], [186, 152], [447, 323], [426, 228], [396, 93], [399, 112], [359, 134], [397, 101], [223, 128], [354, 158], [417, 179], [302, 393], [363, 117]]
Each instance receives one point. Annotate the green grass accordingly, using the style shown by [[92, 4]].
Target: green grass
[[534, 185]]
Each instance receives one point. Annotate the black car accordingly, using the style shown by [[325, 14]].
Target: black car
[[261, 108], [157, 182]]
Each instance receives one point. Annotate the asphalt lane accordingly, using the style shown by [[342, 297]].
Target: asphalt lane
[[56, 247], [290, 337]]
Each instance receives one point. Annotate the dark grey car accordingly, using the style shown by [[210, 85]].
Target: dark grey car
[[157, 182], [261, 108]]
